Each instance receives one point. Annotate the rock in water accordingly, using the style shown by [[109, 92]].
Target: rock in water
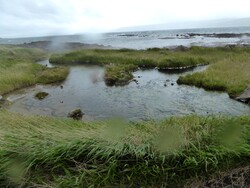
[[41, 95], [76, 114], [245, 96]]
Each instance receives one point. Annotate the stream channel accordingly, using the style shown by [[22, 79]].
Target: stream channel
[[156, 95]]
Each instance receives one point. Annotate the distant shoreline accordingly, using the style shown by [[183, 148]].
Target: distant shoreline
[[205, 37]]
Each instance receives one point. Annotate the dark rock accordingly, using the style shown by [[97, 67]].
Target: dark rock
[[41, 95], [76, 114], [61, 86], [245, 96], [126, 35], [136, 81], [165, 85], [109, 82], [1, 101], [138, 76], [220, 35], [172, 84], [181, 48]]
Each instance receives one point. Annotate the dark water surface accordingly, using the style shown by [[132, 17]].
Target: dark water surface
[[85, 89]]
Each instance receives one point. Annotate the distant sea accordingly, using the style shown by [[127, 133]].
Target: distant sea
[[147, 39]]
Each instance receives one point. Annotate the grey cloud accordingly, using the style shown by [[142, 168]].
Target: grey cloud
[[30, 9], [33, 17]]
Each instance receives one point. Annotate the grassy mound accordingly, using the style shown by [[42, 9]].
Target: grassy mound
[[47, 152], [230, 74], [17, 69], [140, 58], [118, 75]]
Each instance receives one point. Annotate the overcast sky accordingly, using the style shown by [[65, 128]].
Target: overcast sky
[[48, 17]]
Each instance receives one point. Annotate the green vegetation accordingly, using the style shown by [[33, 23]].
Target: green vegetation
[[229, 70], [47, 152], [52, 75], [231, 74], [118, 75], [17, 69], [181, 62], [121, 63], [140, 58], [76, 114]]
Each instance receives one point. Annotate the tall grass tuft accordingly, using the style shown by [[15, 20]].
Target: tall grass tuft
[[17, 69], [230, 74], [50, 152]]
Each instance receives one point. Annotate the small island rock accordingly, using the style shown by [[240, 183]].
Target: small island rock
[[41, 95], [76, 114]]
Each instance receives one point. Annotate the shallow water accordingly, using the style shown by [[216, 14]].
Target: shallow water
[[85, 89]]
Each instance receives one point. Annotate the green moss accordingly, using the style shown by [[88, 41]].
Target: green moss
[[52, 75], [118, 75]]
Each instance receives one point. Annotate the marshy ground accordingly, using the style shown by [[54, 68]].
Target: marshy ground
[[37, 151], [228, 71]]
